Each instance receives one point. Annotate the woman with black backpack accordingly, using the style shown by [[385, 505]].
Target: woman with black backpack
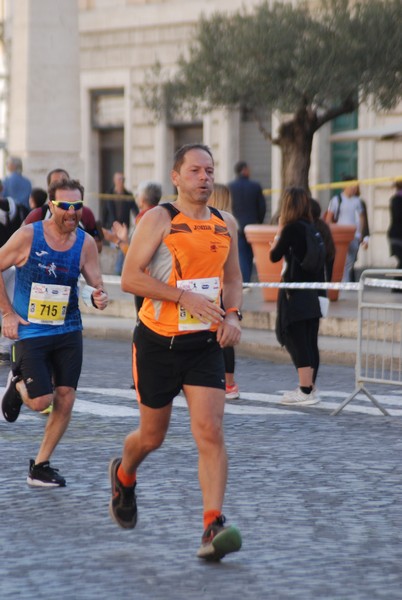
[[298, 310]]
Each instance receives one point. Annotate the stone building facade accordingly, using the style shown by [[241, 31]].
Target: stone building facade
[[118, 41]]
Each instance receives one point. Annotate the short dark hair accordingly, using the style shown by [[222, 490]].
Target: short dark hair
[[39, 196], [65, 184], [53, 171], [239, 166], [181, 153]]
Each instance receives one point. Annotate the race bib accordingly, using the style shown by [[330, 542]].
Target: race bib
[[48, 303], [208, 286]]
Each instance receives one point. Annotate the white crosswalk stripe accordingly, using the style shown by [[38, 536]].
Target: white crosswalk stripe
[[250, 403]]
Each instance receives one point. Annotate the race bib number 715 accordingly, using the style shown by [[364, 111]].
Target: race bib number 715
[[48, 303]]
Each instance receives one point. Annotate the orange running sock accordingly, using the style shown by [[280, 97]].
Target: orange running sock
[[124, 478], [210, 516]]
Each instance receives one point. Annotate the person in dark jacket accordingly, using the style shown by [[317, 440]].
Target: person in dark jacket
[[249, 207], [395, 228], [298, 312], [119, 209]]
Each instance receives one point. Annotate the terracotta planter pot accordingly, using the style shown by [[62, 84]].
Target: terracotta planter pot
[[261, 238], [343, 235]]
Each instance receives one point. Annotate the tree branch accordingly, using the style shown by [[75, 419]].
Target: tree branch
[[347, 106], [267, 134]]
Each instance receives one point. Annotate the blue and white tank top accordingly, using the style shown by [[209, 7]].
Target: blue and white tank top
[[46, 288]]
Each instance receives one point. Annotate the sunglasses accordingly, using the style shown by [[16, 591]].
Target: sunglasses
[[66, 205]]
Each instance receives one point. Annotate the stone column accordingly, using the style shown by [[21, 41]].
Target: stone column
[[44, 100]]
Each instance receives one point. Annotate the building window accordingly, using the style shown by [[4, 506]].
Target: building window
[[108, 109], [189, 133]]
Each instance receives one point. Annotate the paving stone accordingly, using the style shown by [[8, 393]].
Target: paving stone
[[317, 499]]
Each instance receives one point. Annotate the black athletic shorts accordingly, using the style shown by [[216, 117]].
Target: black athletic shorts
[[48, 361], [162, 365]]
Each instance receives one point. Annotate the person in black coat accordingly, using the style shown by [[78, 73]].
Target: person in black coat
[[248, 207], [395, 228], [120, 210], [298, 311]]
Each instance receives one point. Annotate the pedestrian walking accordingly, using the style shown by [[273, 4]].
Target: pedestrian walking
[[346, 209], [298, 312], [249, 207], [394, 232], [182, 257], [45, 320], [119, 209], [16, 185]]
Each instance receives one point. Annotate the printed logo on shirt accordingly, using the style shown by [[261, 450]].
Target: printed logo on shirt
[[51, 269]]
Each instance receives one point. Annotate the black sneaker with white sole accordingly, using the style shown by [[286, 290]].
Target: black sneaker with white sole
[[11, 402], [43, 475], [123, 505]]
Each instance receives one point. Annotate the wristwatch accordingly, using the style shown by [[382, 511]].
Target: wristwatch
[[236, 311]]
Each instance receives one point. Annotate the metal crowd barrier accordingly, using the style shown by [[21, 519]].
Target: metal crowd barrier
[[379, 336], [379, 329]]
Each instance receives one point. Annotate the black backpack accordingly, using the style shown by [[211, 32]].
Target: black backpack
[[314, 259], [20, 215]]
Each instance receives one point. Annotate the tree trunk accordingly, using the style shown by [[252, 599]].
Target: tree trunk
[[295, 140]]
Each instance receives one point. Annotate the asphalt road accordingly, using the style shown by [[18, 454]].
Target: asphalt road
[[317, 498]]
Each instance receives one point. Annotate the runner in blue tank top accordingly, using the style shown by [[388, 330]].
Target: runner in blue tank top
[[45, 320]]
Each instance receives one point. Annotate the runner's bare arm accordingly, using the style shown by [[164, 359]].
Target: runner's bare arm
[[229, 331], [14, 252], [90, 268]]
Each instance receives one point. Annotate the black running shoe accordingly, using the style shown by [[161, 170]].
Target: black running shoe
[[43, 475], [5, 358], [217, 540], [123, 505], [11, 403]]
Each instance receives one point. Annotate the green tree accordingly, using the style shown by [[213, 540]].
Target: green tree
[[312, 64]]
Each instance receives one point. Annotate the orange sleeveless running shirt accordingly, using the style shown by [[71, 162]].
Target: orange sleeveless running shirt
[[191, 257]]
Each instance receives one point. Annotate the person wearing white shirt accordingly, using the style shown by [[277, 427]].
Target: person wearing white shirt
[[346, 209]]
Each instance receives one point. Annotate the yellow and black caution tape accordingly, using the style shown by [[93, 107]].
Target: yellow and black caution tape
[[341, 184], [268, 191]]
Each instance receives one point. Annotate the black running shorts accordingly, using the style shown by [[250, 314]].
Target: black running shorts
[[162, 365], [48, 361]]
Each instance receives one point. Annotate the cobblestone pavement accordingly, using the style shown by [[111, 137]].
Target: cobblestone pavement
[[317, 498]]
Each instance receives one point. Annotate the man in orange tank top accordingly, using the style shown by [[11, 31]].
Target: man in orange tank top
[[183, 256]]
